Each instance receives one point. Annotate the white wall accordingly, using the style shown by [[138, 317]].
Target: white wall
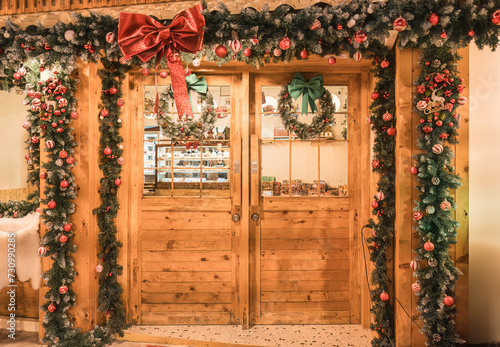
[[13, 169], [484, 278]]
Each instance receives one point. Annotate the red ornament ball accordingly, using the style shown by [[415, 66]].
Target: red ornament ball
[[437, 148], [51, 204], [471, 33], [448, 300], [384, 64], [391, 131], [277, 52], [417, 216], [34, 139], [70, 160], [374, 204], [113, 90], [63, 239], [63, 154], [416, 287], [316, 24], [107, 151], [110, 37], [120, 102], [67, 227], [304, 54], [51, 308], [120, 161], [27, 156], [384, 296], [443, 35], [118, 182], [104, 113], [145, 72], [357, 56], [375, 95], [399, 24], [247, 52], [429, 246], [387, 116], [439, 123], [414, 170], [495, 18], [42, 250], [17, 76], [163, 74], [375, 163], [369, 120], [360, 36], [64, 184], [433, 18], [332, 60], [63, 289], [74, 115], [221, 51], [380, 196], [285, 43], [42, 175]]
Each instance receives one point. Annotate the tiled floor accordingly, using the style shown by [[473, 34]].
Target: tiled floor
[[263, 335]]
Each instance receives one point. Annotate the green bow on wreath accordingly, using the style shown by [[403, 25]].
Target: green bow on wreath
[[310, 90], [194, 83]]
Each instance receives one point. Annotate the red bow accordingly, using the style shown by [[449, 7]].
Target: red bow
[[143, 36]]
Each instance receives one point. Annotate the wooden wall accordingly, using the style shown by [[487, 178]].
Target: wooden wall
[[406, 239]]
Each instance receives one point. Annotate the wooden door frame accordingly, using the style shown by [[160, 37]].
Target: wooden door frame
[[129, 219]]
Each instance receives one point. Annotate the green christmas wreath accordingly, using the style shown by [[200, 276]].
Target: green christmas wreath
[[187, 127], [310, 91]]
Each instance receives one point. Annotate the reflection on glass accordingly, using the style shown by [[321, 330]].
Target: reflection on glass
[[296, 174], [188, 166]]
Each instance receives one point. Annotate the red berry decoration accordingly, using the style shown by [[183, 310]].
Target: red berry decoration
[[221, 51], [113, 90], [247, 52], [384, 296], [414, 170], [68, 227], [332, 60], [107, 151], [429, 246], [51, 204], [120, 102], [163, 74], [118, 182], [17, 76], [391, 131], [375, 96], [433, 18], [63, 239], [284, 43], [64, 184], [145, 72], [63, 154], [448, 300], [51, 308], [360, 36], [315, 25], [443, 35], [399, 24], [70, 160], [304, 54], [63, 289], [472, 33]]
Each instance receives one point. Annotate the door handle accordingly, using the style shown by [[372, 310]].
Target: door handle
[[255, 217], [236, 217]]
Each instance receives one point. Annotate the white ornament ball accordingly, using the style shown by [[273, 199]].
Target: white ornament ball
[[421, 105], [462, 100], [235, 46], [49, 144], [26, 125], [35, 108], [414, 265], [358, 56], [380, 195], [6, 34], [277, 52], [99, 268], [351, 23], [196, 62], [437, 148], [42, 250], [22, 71], [62, 102], [69, 35], [110, 37], [59, 162]]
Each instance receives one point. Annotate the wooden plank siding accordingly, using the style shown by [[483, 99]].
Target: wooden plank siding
[[304, 266]]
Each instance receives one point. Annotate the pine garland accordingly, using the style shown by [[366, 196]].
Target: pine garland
[[437, 99], [110, 290], [383, 120]]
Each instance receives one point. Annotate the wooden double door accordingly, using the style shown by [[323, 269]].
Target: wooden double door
[[252, 256]]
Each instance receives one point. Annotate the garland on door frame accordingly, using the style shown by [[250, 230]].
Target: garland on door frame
[[437, 99], [111, 161], [383, 120]]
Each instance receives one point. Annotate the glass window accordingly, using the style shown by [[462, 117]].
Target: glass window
[[188, 167], [292, 167]]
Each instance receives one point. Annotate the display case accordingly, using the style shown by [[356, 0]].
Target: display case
[[292, 167]]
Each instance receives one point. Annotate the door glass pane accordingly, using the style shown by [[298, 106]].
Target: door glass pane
[[334, 166], [304, 168], [178, 167], [275, 168]]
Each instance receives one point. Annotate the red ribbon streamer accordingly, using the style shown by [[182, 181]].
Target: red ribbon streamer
[[143, 36]]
